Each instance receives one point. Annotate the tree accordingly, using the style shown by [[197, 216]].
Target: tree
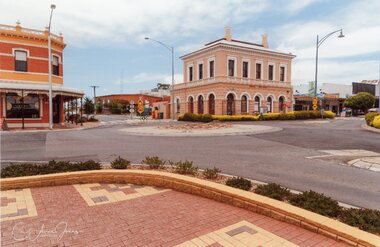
[[361, 101], [89, 107]]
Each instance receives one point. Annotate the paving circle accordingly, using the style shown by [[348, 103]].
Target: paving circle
[[200, 130]]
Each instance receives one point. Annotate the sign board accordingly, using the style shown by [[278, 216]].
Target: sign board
[[140, 106], [131, 110], [315, 104]]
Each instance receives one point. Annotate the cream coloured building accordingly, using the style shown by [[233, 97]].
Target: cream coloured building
[[234, 77]]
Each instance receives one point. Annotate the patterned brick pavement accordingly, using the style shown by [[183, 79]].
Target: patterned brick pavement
[[128, 215]]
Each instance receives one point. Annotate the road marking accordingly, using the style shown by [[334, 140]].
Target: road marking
[[345, 152]]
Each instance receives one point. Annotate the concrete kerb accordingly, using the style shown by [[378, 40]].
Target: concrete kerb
[[10, 132], [222, 193], [369, 128]]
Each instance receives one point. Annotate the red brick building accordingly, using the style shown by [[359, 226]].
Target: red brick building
[[24, 83]]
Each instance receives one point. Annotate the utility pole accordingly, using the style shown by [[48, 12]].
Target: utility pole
[[94, 87]]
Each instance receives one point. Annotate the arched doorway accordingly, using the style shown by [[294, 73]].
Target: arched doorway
[[191, 104], [230, 104], [257, 104], [269, 104], [244, 104], [211, 104], [200, 104], [281, 101]]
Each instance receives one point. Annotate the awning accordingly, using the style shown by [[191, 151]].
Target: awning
[[38, 88]]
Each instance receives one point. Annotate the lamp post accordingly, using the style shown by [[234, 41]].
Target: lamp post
[[52, 7], [171, 49], [319, 43]]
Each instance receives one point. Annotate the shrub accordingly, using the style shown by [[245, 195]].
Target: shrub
[[92, 119], [120, 163], [287, 116], [274, 191], [116, 111], [316, 202], [376, 122], [329, 114], [31, 169], [191, 117], [271, 116], [185, 167], [239, 182], [154, 162], [369, 117], [205, 118], [366, 219], [211, 173], [236, 118]]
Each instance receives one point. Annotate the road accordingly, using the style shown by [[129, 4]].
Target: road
[[273, 157]]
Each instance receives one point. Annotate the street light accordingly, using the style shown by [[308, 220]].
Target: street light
[[52, 7], [319, 43], [171, 49]]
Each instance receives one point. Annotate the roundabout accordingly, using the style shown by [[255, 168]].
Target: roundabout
[[196, 129]]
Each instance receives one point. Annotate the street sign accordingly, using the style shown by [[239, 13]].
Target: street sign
[[140, 106], [315, 107], [315, 104], [131, 110]]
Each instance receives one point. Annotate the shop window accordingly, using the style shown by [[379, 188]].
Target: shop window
[[55, 65], [17, 107], [21, 61]]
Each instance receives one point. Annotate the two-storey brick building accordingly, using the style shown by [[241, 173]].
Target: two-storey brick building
[[24, 86], [234, 77]]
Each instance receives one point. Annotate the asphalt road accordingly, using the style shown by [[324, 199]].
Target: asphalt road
[[273, 157]]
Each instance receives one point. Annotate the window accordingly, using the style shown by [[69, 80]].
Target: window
[[270, 72], [258, 71], [282, 73], [281, 103], [21, 63], [269, 104], [231, 67], [245, 69], [211, 68], [244, 104], [200, 71], [211, 104], [17, 106], [200, 104], [55, 65], [178, 106], [191, 73], [191, 105], [257, 104]]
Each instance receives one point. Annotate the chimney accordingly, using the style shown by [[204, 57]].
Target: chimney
[[228, 33], [18, 26], [264, 40]]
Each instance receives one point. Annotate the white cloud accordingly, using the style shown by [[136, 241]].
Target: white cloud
[[148, 77]]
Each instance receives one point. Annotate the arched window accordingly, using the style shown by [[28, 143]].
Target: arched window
[[211, 104], [230, 104], [281, 103], [178, 106], [244, 104], [257, 104], [200, 104], [269, 104], [191, 104]]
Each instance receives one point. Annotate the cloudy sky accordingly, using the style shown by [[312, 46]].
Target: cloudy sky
[[106, 46]]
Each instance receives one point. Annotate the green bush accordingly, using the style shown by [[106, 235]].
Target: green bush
[[366, 219], [191, 117], [31, 169], [370, 116], [376, 122], [184, 167], [287, 116], [239, 182], [316, 202], [120, 163], [236, 118], [271, 116], [274, 191], [211, 173], [154, 162]]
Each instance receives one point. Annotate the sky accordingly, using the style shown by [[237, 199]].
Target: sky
[[106, 45]]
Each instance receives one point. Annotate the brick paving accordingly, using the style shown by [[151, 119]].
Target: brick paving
[[139, 216]]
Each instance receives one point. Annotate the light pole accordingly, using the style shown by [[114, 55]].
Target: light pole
[[52, 7], [171, 49], [94, 87], [319, 43]]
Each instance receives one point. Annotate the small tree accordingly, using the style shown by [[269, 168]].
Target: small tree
[[361, 101], [89, 107]]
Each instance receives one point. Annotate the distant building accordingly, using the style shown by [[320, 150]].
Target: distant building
[[161, 90], [131, 98], [24, 87], [234, 77]]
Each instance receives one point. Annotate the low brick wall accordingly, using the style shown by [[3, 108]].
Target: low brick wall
[[222, 193]]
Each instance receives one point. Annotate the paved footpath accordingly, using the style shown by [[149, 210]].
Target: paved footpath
[[130, 215]]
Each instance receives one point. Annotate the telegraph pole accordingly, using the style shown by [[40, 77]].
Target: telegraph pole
[[94, 87]]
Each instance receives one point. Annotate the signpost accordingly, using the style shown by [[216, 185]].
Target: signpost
[[315, 104], [131, 109]]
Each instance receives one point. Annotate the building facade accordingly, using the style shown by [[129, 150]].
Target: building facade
[[232, 77], [24, 83]]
